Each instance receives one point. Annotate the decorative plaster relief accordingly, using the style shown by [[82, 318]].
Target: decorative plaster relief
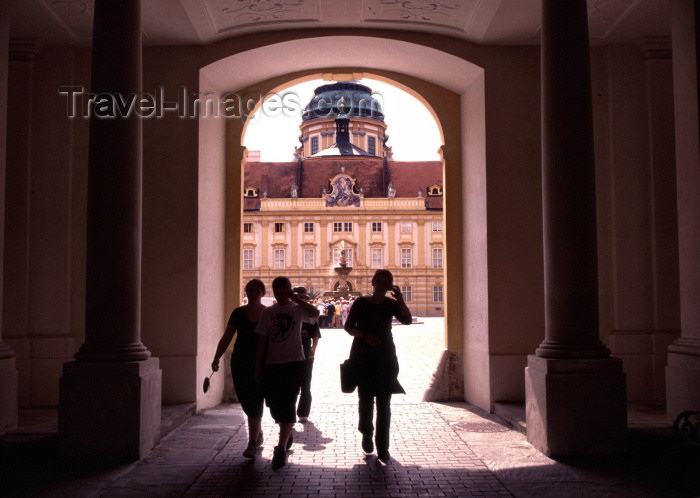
[[227, 15], [447, 13]]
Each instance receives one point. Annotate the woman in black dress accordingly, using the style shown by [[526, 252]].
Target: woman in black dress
[[373, 356], [244, 320]]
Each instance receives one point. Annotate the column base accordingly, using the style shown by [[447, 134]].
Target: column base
[[109, 411], [447, 383], [682, 382], [8, 394], [575, 407]]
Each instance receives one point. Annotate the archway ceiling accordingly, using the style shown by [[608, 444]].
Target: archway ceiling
[[196, 22]]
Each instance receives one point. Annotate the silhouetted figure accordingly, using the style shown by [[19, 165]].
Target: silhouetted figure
[[373, 355], [243, 321], [310, 335], [280, 359]]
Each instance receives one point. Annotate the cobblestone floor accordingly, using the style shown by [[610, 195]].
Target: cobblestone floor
[[438, 449]]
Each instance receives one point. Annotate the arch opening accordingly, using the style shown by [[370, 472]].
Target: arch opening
[[463, 133]]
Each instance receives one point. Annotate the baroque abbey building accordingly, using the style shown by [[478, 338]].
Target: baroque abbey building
[[344, 192]]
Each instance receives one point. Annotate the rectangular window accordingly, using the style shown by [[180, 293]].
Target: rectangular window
[[347, 226], [279, 227], [308, 227], [437, 293], [336, 256], [339, 226], [314, 145], [247, 228], [247, 259], [309, 259], [406, 257], [376, 226], [437, 226], [406, 226], [377, 257], [437, 257], [371, 146], [407, 292], [279, 259]]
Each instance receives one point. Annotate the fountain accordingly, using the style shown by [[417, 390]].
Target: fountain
[[343, 289]]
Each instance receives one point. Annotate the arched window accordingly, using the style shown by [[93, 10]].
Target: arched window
[[250, 192]]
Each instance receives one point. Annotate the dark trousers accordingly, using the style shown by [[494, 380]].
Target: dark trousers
[[366, 412], [304, 406]]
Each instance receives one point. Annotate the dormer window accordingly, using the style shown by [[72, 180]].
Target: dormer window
[[250, 192], [434, 190]]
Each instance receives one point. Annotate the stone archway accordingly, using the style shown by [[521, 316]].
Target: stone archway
[[454, 90]]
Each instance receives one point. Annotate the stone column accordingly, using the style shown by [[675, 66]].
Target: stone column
[[575, 392], [114, 384], [683, 369], [8, 367]]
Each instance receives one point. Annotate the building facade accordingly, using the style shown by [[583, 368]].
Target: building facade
[[344, 192]]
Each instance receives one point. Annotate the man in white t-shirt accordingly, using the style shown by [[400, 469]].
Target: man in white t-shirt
[[280, 359]]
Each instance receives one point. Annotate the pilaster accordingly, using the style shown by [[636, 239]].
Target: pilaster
[[8, 368], [683, 368]]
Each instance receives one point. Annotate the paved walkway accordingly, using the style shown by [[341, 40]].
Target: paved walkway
[[438, 449]]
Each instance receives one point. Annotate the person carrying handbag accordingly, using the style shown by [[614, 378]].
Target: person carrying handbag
[[374, 361]]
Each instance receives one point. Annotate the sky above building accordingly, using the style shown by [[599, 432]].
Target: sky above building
[[412, 130]]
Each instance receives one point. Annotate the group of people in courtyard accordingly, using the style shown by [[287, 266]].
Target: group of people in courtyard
[[333, 314], [272, 360]]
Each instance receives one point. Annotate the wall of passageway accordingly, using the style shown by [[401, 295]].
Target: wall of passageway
[[492, 175]]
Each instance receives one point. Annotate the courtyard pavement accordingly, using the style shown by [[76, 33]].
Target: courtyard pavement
[[438, 449]]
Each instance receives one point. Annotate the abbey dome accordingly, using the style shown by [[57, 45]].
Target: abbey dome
[[345, 100]]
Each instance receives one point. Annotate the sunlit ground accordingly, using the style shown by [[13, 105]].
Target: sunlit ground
[[418, 346]]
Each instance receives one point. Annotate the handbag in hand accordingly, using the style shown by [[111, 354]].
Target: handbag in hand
[[348, 377]]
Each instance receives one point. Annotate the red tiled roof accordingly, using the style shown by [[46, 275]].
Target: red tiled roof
[[275, 178], [409, 176], [370, 173]]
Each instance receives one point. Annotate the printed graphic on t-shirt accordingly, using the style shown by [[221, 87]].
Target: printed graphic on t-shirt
[[280, 326]]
